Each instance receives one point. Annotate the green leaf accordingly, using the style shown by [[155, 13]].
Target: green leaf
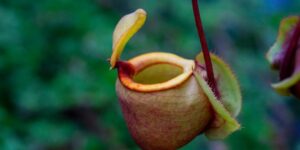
[[228, 106]]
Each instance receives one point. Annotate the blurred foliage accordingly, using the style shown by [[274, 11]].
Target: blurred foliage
[[57, 91]]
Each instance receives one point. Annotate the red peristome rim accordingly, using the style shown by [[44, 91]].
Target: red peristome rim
[[135, 65]]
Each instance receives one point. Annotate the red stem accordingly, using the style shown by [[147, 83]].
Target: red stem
[[209, 68]]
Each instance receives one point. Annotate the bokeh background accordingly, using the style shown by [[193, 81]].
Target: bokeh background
[[57, 92]]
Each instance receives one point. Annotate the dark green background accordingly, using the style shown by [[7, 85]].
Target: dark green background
[[57, 92]]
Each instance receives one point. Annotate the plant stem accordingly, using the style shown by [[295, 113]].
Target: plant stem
[[209, 68]]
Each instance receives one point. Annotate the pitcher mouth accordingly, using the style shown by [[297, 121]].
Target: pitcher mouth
[[155, 72]]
